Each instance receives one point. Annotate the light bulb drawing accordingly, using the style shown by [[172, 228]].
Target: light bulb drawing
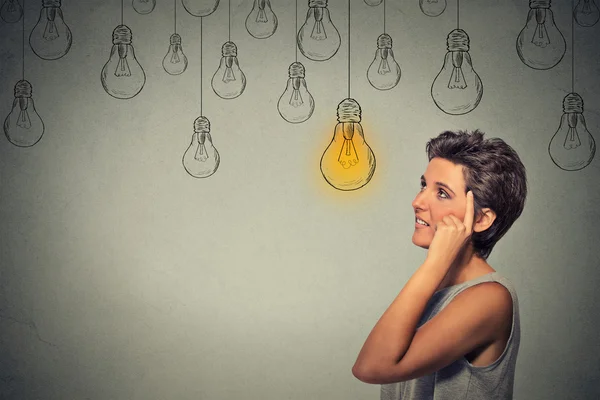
[[261, 23], [348, 163], [51, 38], [296, 104], [229, 81], [540, 45], [432, 8], [201, 159], [457, 89], [384, 72], [586, 13], [373, 2], [143, 6], [200, 8], [572, 147], [122, 76], [175, 62], [318, 38], [11, 11], [23, 126]]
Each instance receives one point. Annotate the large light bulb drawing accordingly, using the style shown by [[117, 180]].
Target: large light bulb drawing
[[143, 6], [586, 13], [296, 104], [348, 163], [200, 8], [11, 11], [457, 89], [175, 62], [540, 45], [432, 8], [229, 81], [122, 76], [373, 2], [51, 38], [201, 159], [318, 39], [23, 126], [572, 147], [384, 72], [262, 21]]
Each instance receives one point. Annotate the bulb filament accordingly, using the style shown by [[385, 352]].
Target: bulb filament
[[262, 16], [174, 56], [318, 31], [348, 156], [457, 78], [50, 32], [296, 97], [384, 65], [572, 138], [122, 66], [201, 153], [23, 120], [540, 36], [228, 76]]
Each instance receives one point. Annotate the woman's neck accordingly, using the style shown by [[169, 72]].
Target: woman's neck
[[467, 266]]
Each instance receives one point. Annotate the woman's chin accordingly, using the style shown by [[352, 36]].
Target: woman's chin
[[420, 242]]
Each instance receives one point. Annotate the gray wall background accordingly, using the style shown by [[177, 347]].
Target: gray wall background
[[122, 277]]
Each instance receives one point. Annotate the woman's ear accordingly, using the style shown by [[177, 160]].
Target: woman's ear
[[484, 220]]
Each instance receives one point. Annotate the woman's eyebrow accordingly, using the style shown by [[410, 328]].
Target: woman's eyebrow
[[442, 184]]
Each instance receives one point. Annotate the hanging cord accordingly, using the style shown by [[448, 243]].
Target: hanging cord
[[457, 14], [384, 16], [348, 48], [175, 14], [122, 7], [201, 59], [572, 47], [23, 42], [296, 32], [229, 20]]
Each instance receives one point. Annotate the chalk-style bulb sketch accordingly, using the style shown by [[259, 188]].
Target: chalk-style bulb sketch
[[175, 62], [348, 163], [229, 81], [318, 38], [51, 38], [296, 104], [373, 2], [572, 147], [540, 45], [143, 6], [384, 72], [200, 8], [432, 8], [11, 11], [122, 76], [201, 159], [262, 21], [457, 89], [586, 13], [23, 126]]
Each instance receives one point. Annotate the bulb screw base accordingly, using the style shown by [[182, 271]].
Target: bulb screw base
[[384, 41], [122, 35], [175, 39], [458, 40], [23, 89], [539, 3], [201, 125], [348, 111], [296, 70], [573, 103], [317, 3], [51, 3], [229, 49]]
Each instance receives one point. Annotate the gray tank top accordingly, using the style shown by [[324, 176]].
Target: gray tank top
[[461, 379]]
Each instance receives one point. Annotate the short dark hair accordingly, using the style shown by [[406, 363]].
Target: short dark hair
[[495, 174]]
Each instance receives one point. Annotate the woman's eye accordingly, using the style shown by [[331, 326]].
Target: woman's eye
[[443, 194]]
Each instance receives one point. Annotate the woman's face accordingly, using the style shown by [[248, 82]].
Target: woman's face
[[443, 192]]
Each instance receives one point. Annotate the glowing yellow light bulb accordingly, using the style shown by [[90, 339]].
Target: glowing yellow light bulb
[[348, 163]]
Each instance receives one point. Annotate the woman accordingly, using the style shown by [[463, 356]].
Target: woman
[[453, 331]]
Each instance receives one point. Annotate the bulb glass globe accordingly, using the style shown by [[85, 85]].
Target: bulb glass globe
[[201, 159], [373, 2], [11, 11], [457, 89], [432, 8], [229, 81], [586, 13], [540, 45], [296, 104], [143, 6], [50, 38], [572, 147], [175, 62], [262, 21], [348, 163], [23, 126], [200, 8], [384, 72], [122, 76], [318, 38]]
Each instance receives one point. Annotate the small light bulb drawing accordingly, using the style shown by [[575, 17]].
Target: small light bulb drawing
[[572, 147], [296, 104], [348, 163], [11, 11], [457, 89], [122, 76], [23, 126], [51, 38], [200, 8], [229, 81], [143, 6], [262, 21], [201, 159], [586, 13], [373, 2], [318, 39], [540, 45], [175, 62], [384, 72], [432, 8]]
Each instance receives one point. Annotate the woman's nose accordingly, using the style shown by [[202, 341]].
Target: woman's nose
[[418, 202]]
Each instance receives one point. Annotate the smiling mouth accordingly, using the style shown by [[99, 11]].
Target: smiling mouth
[[420, 222]]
